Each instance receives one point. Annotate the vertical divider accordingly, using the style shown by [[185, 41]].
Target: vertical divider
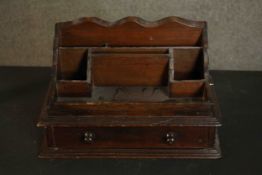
[[171, 65], [89, 66], [89, 70], [171, 70], [206, 62]]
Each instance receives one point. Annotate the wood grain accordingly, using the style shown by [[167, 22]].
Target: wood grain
[[127, 57], [134, 137], [130, 69], [131, 31]]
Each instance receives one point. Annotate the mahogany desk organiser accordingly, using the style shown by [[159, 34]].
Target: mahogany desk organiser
[[130, 89]]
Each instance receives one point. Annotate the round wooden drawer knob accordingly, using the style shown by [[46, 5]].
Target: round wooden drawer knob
[[170, 137], [88, 137]]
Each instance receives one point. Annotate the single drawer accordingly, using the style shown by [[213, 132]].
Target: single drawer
[[131, 137]]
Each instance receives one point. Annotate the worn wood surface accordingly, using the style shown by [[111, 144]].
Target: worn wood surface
[[129, 69], [131, 31], [213, 152], [131, 83], [22, 95], [133, 137]]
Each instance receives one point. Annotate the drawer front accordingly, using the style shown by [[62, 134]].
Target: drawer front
[[132, 137]]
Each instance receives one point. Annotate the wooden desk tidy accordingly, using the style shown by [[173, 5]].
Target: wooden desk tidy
[[130, 89]]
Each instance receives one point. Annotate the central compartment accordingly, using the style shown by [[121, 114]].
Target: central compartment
[[128, 67], [151, 81]]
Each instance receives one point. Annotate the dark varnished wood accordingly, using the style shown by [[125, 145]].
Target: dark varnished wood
[[72, 64], [73, 88], [124, 88], [129, 69], [188, 63], [131, 31], [22, 96], [133, 137], [213, 152], [187, 88], [130, 109]]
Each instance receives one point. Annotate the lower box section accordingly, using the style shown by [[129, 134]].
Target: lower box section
[[131, 137], [189, 153], [130, 142]]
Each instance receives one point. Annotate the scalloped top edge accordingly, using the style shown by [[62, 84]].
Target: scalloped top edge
[[140, 21]]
